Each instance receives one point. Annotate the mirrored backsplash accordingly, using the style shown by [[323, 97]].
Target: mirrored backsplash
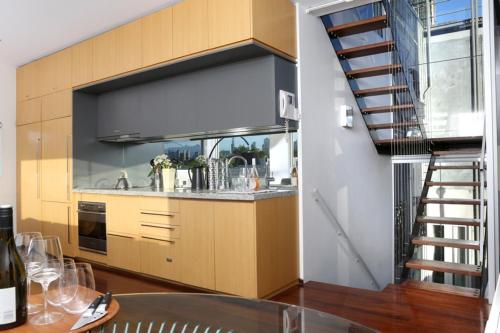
[[102, 163]]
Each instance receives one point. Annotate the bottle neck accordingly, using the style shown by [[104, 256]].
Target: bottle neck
[[6, 234]]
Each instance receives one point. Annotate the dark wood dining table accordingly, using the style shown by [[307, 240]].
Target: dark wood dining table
[[206, 313]]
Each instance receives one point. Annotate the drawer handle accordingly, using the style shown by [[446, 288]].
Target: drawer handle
[[159, 239], [156, 226], [122, 236], [158, 214], [169, 260]]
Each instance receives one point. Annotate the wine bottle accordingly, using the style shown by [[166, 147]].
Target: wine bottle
[[13, 294], [254, 176]]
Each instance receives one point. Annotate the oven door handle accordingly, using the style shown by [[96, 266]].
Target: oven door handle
[[92, 213]]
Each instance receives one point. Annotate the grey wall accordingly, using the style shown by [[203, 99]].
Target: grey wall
[[344, 166]]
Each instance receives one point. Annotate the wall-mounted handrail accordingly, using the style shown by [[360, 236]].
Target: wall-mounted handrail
[[482, 182], [341, 233]]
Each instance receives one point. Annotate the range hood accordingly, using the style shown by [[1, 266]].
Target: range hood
[[136, 137]]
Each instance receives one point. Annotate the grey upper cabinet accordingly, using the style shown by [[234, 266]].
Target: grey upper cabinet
[[207, 102], [234, 96], [119, 113]]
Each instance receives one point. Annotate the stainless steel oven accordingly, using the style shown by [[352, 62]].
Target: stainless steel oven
[[92, 226]]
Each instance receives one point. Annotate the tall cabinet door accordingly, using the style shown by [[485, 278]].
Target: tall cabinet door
[[197, 243], [57, 221], [28, 180], [56, 160]]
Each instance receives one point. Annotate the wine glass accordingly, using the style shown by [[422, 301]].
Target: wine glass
[[62, 290], [22, 241], [84, 288], [46, 255]]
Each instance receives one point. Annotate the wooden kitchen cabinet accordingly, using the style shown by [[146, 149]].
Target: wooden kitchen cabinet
[[160, 257], [122, 215], [256, 246], [55, 72], [117, 51], [57, 105], [129, 47], [27, 81], [56, 160], [57, 220], [190, 33], [82, 63], [104, 55], [157, 37], [274, 24], [122, 252], [29, 111], [229, 22], [197, 243], [29, 209], [235, 248]]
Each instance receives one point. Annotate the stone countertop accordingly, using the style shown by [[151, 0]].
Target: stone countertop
[[201, 194]]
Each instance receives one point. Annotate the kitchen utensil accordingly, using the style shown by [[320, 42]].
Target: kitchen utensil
[[96, 310]]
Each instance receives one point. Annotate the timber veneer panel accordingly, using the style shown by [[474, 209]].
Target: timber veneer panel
[[190, 33], [229, 21], [157, 35]]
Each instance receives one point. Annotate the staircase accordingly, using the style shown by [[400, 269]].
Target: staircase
[[370, 49], [453, 256]]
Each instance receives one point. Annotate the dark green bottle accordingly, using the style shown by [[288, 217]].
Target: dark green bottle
[[13, 296]]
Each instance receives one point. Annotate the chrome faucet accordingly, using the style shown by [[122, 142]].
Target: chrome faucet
[[241, 158]]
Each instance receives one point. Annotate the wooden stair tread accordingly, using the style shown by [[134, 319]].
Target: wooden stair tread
[[454, 167], [381, 90], [456, 152], [388, 108], [445, 267], [472, 202], [449, 221], [357, 27], [442, 288], [446, 242], [397, 141], [374, 71], [366, 50], [392, 125], [452, 183]]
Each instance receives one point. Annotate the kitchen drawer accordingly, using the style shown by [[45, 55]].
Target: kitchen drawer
[[159, 217], [164, 231], [159, 205], [163, 259]]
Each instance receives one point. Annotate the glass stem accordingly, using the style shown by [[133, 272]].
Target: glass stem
[[28, 286], [45, 288]]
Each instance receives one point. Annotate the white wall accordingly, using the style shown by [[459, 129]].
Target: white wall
[[8, 132], [344, 166]]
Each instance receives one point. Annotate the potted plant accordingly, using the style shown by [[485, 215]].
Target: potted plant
[[162, 165]]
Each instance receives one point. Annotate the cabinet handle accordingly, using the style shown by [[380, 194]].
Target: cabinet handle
[[159, 239], [38, 157], [157, 226], [67, 169], [121, 236], [158, 214], [169, 259], [69, 225]]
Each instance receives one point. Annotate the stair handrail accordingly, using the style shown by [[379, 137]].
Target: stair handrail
[[482, 183], [341, 233]]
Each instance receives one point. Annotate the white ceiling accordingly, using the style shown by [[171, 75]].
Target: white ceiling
[[30, 29]]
